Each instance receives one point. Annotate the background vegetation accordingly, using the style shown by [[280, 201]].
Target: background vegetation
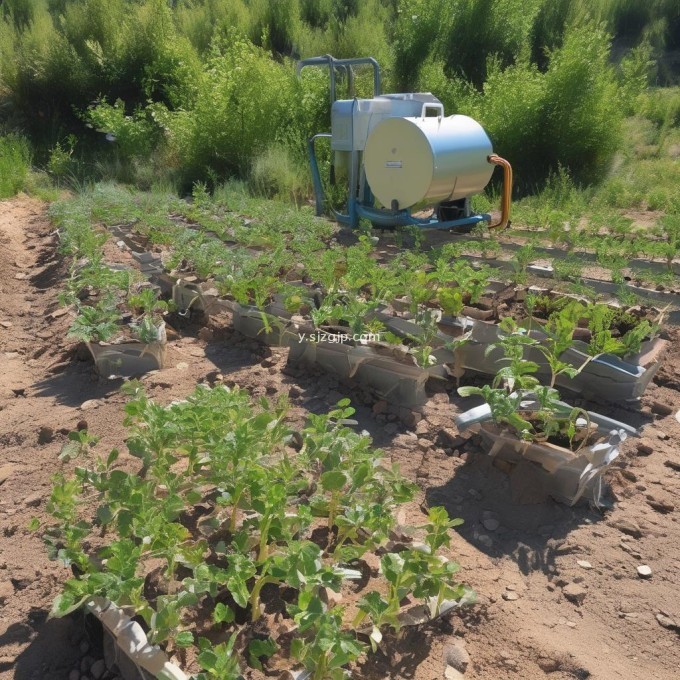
[[205, 90]]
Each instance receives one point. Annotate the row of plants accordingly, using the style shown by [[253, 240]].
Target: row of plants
[[111, 301], [236, 519], [289, 259]]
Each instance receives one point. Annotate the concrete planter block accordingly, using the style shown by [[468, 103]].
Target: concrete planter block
[[129, 358], [248, 321], [396, 382], [341, 360], [126, 648], [565, 475], [606, 376]]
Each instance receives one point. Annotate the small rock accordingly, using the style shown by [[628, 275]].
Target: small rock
[[451, 439], [491, 524], [631, 551], [84, 647], [409, 418], [33, 501], [391, 428], [86, 663], [450, 673], [90, 404], [182, 366], [380, 407], [584, 564], [663, 436], [485, 540], [661, 505], [574, 593], [205, 334], [661, 409], [422, 427], [19, 391], [667, 622], [644, 449], [644, 571], [627, 527], [98, 669], [81, 425], [548, 665], [456, 655], [6, 324], [510, 595], [74, 675], [6, 591], [45, 435]]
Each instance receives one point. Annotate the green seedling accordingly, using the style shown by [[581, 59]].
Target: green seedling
[[98, 323]]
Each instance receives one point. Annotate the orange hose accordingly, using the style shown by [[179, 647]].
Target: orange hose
[[507, 191]]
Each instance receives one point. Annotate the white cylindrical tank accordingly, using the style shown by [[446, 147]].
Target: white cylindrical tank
[[427, 160]]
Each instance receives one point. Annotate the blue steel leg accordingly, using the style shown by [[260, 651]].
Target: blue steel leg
[[319, 196]]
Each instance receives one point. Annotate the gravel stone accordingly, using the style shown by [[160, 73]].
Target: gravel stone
[[575, 593], [98, 669], [456, 655], [644, 571]]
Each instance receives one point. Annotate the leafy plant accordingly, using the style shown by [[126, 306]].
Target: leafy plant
[[147, 330], [97, 323]]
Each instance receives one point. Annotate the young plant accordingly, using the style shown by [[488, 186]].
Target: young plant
[[218, 661], [325, 647], [146, 330], [97, 323]]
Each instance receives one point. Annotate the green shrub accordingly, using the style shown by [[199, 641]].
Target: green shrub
[[275, 174], [275, 24], [134, 135], [583, 114], [416, 24], [15, 158], [60, 164]]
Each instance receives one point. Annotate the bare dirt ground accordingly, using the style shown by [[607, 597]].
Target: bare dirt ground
[[523, 560]]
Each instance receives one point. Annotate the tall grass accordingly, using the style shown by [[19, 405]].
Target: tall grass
[[14, 164]]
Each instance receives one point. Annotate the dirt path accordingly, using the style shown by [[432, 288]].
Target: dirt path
[[522, 562]]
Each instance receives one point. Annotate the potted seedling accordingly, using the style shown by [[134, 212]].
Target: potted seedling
[[523, 419], [616, 360], [99, 325]]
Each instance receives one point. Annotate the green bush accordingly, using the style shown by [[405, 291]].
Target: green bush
[[583, 114], [241, 104], [275, 174], [275, 24], [569, 116], [15, 158], [56, 66], [135, 135]]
